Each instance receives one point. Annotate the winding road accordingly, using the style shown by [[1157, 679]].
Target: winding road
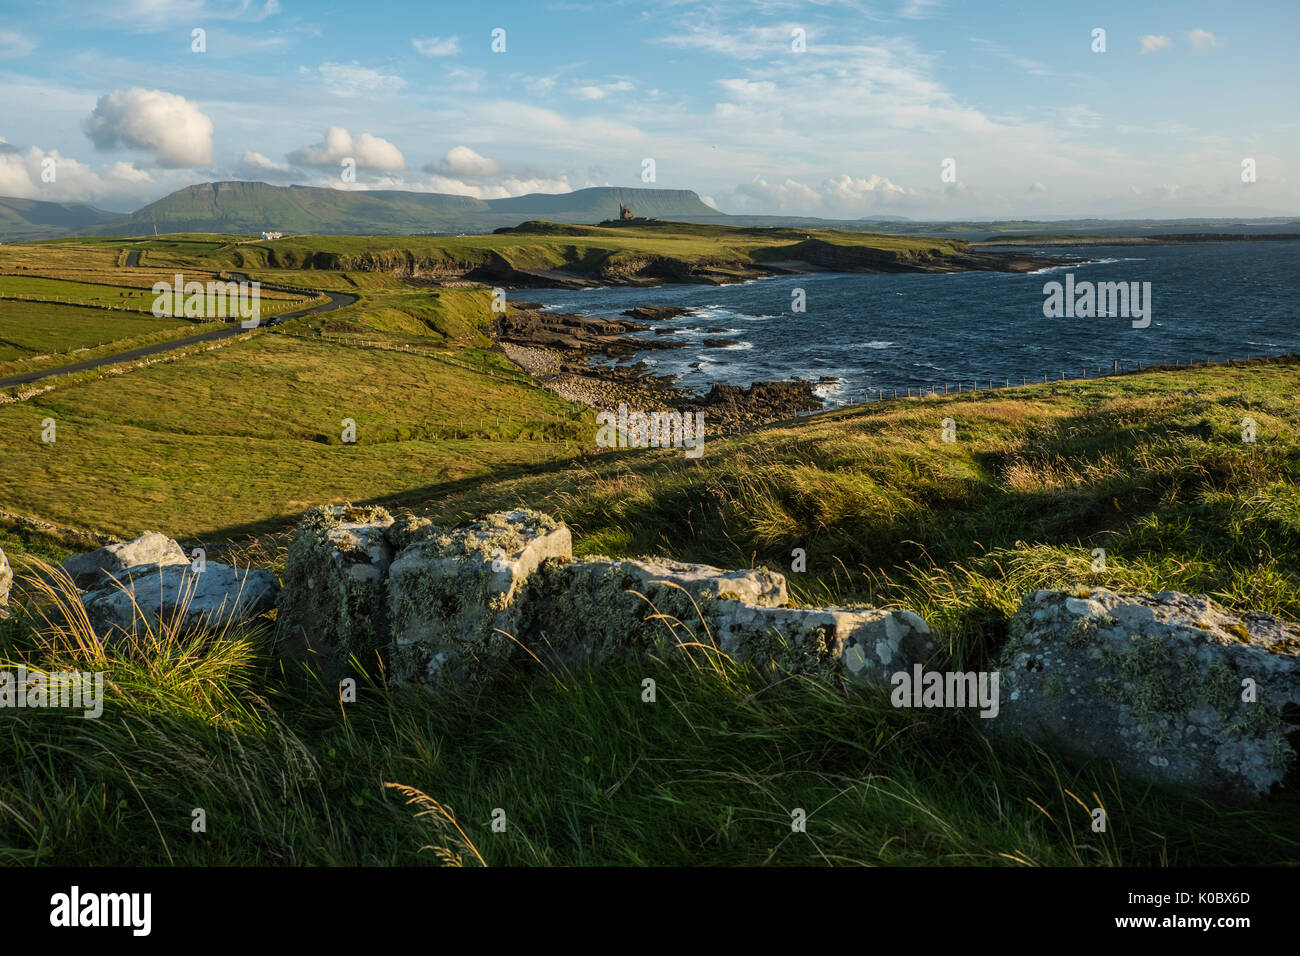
[[337, 300]]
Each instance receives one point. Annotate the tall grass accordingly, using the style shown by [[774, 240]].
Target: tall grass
[[579, 767]]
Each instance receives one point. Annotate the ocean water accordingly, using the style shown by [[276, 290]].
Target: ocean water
[[1211, 301]]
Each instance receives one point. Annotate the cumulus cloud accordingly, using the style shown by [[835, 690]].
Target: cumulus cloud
[[255, 160], [369, 152], [461, 162], [353, 79], [463, 172], [1152, 42], [509, 186], [835, 197], [35, 173], [169, 126], [436, 46], [1202, 39], [846, 189], [1037, 187]]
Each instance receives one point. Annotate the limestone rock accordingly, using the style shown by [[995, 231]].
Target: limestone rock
[[859, 645], [1158, 683], [334, 604], [598, 609], [452, 598], [175, 593], [94, 568]]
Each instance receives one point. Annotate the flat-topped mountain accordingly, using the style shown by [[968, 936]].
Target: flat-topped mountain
[[243, 207]]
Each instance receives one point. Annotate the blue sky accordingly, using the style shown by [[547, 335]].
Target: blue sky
[[859, 123]]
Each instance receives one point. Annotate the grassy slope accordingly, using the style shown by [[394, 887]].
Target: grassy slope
[[1149, 466]]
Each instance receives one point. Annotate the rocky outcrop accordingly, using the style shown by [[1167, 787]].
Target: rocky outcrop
[[337, 572], [94, 568], [655, 313], [454, 599], [6, 581], [163, 597], [462, 603], [1171, 687]]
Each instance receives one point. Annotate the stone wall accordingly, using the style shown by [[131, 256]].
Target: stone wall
[[458, 605], [1171, 687]]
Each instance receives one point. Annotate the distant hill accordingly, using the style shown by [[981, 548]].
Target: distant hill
[[35, 219], [241, 207]]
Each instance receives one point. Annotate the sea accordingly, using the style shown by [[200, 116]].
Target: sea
[[860, 336]]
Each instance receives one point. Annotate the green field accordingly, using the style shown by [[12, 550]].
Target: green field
[[43, 328], [228, 447]]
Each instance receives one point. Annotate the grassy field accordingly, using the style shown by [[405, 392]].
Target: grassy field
[[228, 447], [48, 329], [252, 433]]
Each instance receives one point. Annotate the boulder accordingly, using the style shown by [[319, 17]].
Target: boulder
[[1171, 687], [175, 595], [94, 568], [6, 580], [864, 646], [597, 610], [334, 604], [452, 598]]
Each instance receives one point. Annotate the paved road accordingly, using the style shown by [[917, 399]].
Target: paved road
[[337, 300]]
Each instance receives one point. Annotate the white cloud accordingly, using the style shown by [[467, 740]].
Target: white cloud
[[1202, 39], [461, 162], [1153, 42], [919, 9], [155, 16], [436, 46], [15, 44], [255, 160], [370, 152], [846, 189], [599, 92], [466, 173], [24, 173], [1037, 187], [169, 126], [353, 79], [510, 186]]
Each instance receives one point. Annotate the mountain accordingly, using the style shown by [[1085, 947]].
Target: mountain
[[36, 219], [242, 207]]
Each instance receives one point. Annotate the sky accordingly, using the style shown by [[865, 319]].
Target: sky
[[929, 109]]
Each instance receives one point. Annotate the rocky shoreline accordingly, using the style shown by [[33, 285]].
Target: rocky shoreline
[[557, 349]]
